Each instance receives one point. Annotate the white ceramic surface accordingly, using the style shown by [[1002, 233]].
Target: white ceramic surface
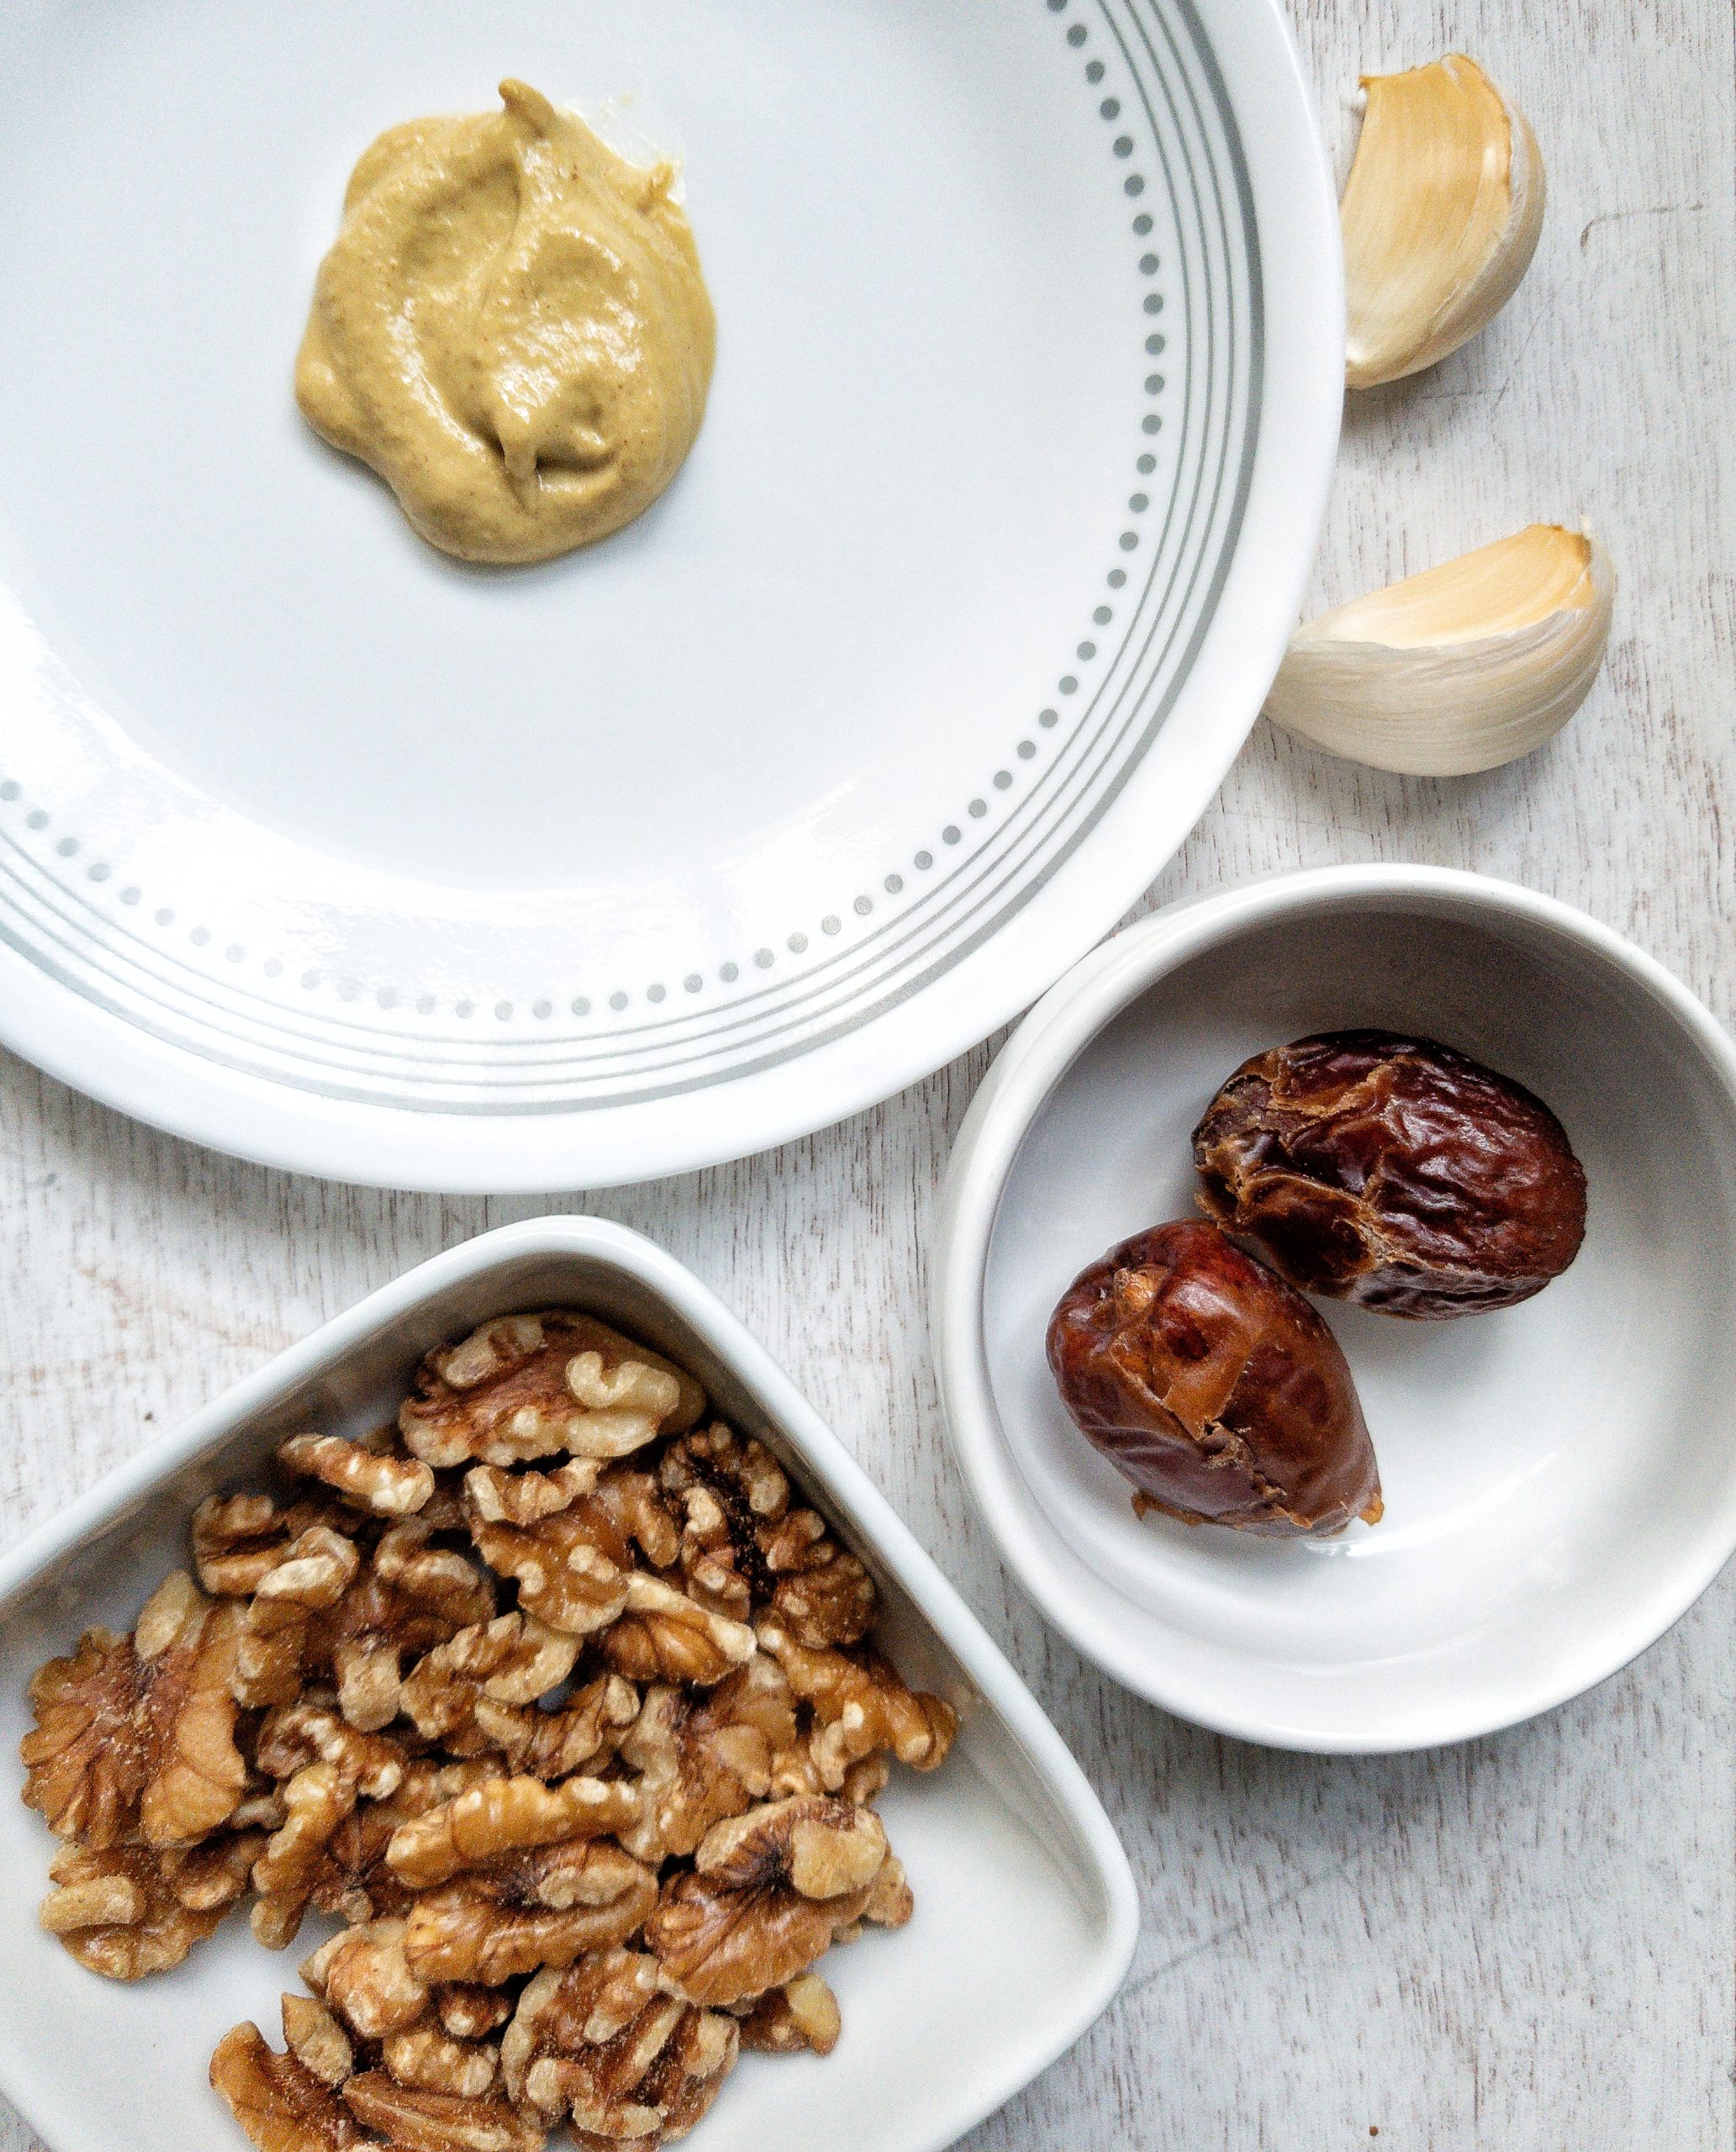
[[1027, 1916], [1560, 1478], [320, 847]]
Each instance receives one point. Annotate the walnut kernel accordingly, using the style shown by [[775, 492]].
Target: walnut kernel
[[804, 2014], [544, 1907], [132, 1910], [366, 1477], [861, 1707], [503, 1817], [526, 1387], [278, 2101], [137, 1734], [664, 1636], [767, 1893]]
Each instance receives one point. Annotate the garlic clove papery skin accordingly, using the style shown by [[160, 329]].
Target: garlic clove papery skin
[[1461, 668], [1440, 217]]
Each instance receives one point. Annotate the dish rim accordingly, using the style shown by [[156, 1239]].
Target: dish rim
[[1006, 1106], [1292, 206], [106, 1504]]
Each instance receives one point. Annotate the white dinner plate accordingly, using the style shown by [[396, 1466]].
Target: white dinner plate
[[320, 847]]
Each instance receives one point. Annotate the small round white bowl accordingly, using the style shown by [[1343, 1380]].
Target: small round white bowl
[[1560, 1478]]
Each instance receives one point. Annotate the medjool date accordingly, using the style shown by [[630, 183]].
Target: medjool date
[[1213, 1387], [1392, 1172]]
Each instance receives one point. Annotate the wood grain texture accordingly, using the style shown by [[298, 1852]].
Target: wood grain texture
[[1524, 1944]]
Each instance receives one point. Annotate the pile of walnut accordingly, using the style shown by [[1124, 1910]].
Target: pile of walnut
[[554, 1698]]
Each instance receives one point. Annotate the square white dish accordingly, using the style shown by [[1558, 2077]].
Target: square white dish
[[1026, 1914]]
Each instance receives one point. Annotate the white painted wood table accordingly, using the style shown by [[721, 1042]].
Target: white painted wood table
[[1527, 1944]]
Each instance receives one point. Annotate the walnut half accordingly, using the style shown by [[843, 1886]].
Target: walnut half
[[366, 1476], [521, 1911], [622, 2060], [135, 1735], [744, 1547], [505, 1816], [703, 1757], [278, 2099], [860, 1707], [529, 1386], [132, 1910], [311, 2099], [768, 1892]]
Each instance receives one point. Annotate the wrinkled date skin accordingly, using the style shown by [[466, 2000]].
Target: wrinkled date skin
[[1212, 1386], [1394, 1173]]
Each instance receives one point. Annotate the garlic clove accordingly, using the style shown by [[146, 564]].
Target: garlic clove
[[1440, 216], [1463, 667]]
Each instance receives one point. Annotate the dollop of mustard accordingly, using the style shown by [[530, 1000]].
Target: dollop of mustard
[[511, 328]]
